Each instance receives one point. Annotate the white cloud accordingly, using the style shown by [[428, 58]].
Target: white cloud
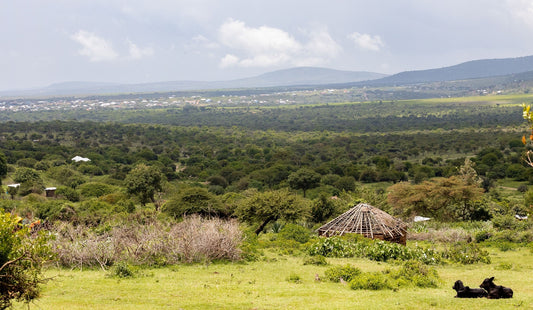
[[94, 47], [266, 46], [522, 10], [229, 61], [367, 41], [136, 52], [202, 42], [319, 49], [263, 46], [98, 49]]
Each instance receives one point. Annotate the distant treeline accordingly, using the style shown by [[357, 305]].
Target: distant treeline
[[244, 158], [369, 117]]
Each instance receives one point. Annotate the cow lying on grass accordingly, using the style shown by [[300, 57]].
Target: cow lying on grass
[[496, 291], [467, 292]]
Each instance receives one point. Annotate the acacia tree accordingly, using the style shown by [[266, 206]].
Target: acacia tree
[[195, 200], [442, 198], [304, 179], [21, 259], [144, 181], [270, 206]]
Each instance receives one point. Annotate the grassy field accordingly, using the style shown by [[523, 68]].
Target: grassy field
[[266, 285]]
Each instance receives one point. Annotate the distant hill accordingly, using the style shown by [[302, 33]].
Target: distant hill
[[281, 78], [308, 76], [468, 70]]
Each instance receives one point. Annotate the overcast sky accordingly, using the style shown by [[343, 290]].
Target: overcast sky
[[134, 41]]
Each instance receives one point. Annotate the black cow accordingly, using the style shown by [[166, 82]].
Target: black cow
[[496, 291], [467, 292]]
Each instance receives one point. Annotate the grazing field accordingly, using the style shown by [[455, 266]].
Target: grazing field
[[280, 282]]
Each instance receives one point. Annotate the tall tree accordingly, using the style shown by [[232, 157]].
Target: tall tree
[[304, 179], [270, 206], [442, 198], [144, 181], [195, 200]]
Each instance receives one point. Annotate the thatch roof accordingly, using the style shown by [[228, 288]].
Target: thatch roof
[[368, 221]]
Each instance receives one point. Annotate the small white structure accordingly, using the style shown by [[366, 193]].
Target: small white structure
[[17, 185], [50, 191], [421, 219], [79, 158]]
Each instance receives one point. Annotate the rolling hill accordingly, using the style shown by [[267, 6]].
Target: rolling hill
[[288, 77], [501, 71], [468, 70]]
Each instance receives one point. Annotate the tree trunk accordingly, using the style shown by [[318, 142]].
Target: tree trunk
[[262, 226]]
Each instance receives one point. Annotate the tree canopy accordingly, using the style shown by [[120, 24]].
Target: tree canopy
[[269, 206], [444, 199], [21, 260], [144, 181], [304, 179]]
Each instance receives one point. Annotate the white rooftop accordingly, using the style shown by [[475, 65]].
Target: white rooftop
[[79, 158]]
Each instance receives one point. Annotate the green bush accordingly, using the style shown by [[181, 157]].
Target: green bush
[[377, 250], [503, 245], [68, 193], [412, 273], [371, 281], [415, 273], [294, 278], [21, 259], [504, 266], [332, 247], [295, 232], [250, 246], [317, 260], [95, 189], [466, 253], [90, 169], [347, 273], [195, 200], [482, 236], [122, 270]]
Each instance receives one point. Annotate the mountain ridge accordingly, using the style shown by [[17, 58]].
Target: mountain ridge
[[299, 77], [473, 69]]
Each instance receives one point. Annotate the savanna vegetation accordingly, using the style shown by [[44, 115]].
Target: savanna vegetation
[[211, 200]]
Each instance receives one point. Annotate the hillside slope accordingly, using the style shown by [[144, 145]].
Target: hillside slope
[[467, 70]]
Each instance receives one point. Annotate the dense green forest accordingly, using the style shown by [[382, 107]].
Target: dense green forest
[[236, 148]]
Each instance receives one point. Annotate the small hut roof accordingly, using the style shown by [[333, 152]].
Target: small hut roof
[[366, 220]]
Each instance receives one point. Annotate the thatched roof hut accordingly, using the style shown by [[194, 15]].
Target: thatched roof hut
[[368, 221]]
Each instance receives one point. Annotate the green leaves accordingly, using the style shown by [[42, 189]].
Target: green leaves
[[304, 179], [144, 181], [21, 260], [273, 205]]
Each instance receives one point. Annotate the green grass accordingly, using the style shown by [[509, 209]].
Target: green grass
[[268, 285]]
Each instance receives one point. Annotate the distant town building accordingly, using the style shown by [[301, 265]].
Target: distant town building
[[50, 191], [79, 158]]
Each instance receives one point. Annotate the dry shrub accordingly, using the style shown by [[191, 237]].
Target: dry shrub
[[442, 235], [78, 246], [195, 239]]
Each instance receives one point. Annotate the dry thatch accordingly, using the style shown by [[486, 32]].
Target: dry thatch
[[368, 221]]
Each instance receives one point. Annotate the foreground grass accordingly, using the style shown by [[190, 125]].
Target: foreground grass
[[265, 285]]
